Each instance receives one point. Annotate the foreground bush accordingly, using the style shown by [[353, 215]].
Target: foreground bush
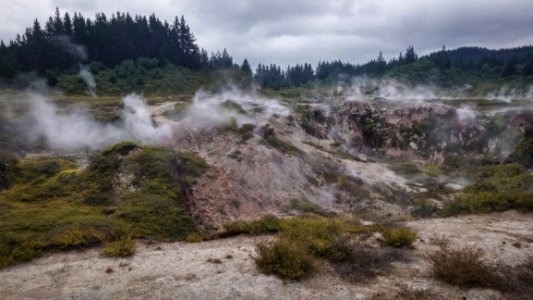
[[123, 247], [284, 258], [399, 237], [464, 268], [304, 239]]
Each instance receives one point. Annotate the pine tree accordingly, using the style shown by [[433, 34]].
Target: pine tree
[[410, 55]]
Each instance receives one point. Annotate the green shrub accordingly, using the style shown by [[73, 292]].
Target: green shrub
[[497, 188], [122, 247], [399, 237], [523, 151], [194, 237], [432, 169], [284, 258], [314, 233], [265, 225], [424, 208], [122, 148]]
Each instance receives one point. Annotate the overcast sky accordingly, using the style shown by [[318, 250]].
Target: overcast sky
[[297, 31]]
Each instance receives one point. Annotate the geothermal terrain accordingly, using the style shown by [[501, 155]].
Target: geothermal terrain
[[183, 178]]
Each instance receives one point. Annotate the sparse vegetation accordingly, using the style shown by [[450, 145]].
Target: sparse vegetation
[[123, 247], [285, 258], [52, 205], [314, 238], [194, 237], [432, 169], [523, 151], [465, 268], [305, 206], [398, 237], [267, 224], [497, 188], [424, 208], [271, 139]]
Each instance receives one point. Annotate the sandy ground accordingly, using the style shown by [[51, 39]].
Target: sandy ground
[[191, 271]]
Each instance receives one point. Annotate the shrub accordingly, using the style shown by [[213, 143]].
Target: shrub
[[194, 237], [265, 225], [284, 258], [356, 262], [316, 234], [464, 268], [432, 169], [305, 206], [497, 188], [399, 237], [424, 208], [246, 132], [123, 247], [272, 140]]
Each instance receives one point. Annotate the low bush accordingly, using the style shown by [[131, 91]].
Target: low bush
[[265, 225], [424, 208], [355, 262], [432, 169], [271, 139], [284, 258], [305, 206], [194, 237], [464, 268], [122, 247], [398, 237]]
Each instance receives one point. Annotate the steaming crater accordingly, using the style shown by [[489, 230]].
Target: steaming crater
[[77, 130]]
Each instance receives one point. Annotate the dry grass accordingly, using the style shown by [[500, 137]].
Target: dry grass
[[465, 268], [406, 292], [355, 262]]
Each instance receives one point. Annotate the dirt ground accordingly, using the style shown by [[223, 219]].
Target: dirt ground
[[225, 269]]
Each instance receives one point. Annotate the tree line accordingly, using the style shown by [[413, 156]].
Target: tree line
[[66, 41]]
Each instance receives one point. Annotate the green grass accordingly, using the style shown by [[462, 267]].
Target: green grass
[[50, 205], [122, 247], [305, 240], [286, 259], [497, 188], [399, 237]]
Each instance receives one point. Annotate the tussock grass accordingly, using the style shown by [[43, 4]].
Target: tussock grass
[[122, 247], [398, 237]]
